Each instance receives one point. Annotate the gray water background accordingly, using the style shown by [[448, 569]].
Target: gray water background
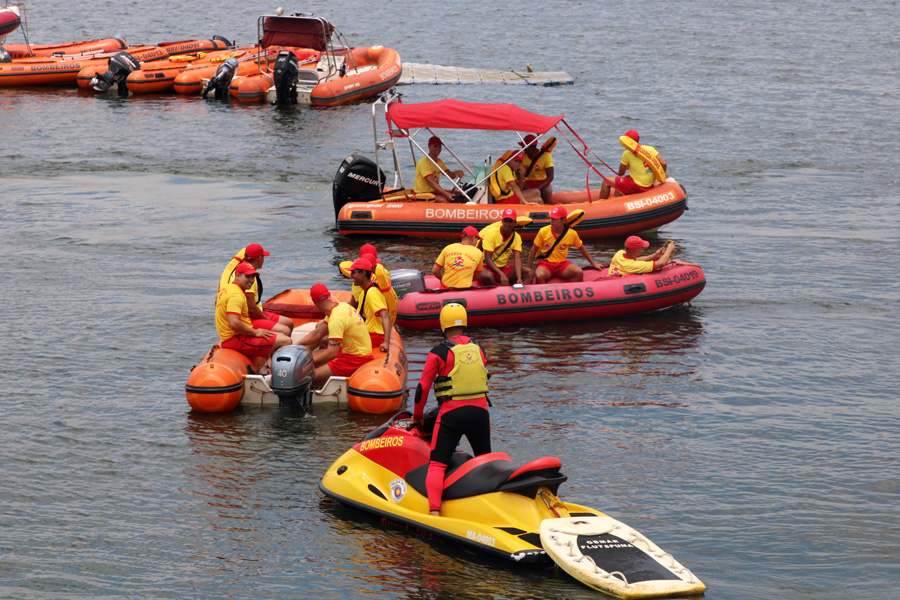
[[752, 434]]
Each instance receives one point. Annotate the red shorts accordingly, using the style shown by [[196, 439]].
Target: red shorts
[[345, 364], [250, 346], [555, 268], [626, 185], [377, 339], [511, 200], [274, 317], [263, 324], [533, 183], [506, 270]]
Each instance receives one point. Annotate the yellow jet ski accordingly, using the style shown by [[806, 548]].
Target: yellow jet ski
[[502, 508]]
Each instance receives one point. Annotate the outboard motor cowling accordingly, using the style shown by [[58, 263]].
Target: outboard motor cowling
[[293, 370], [405, 281], [220, 83], [120, 66], [285, 72], [358, 179], [4, 56]]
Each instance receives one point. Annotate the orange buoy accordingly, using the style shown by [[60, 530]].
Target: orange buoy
[[217, 383], [375, 388]]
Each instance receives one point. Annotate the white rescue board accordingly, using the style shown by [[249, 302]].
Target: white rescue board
[[609, 556]]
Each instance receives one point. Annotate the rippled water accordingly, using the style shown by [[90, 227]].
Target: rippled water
[[752, 434]]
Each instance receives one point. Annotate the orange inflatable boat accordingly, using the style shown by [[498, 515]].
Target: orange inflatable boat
[[190, 81], [64, 70], [365, 205], [225, 378], [335, 75], [158, 76]]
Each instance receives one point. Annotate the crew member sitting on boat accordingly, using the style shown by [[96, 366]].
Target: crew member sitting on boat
[[255, 256], [630, 260], [640, 177], [457, 367], [236, 330], [507, 185], [538, 168], [553, 242], [428, 174], [459, 262], [500, 242], [349, 345], [370, 303]]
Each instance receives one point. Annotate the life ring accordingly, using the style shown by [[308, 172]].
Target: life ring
[[650, 159], [382, 279]]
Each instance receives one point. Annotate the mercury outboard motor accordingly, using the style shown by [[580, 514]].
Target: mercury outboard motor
[[405, 281], [285, 73], [221, 81], [120, 66], [358, 179], [293, 370]]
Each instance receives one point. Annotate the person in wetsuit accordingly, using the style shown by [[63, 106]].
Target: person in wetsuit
[[457, 368]]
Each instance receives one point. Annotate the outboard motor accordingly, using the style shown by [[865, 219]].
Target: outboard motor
[[4, 56], [220, 83], [120, 66], [293, 370], [358, 179], [285, 73], [405, 281]]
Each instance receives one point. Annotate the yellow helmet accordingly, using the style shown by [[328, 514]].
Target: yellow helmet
[[453, 315]]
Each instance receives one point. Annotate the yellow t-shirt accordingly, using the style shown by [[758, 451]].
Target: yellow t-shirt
[[375, 303], [544, 240], [539, 172], [231, 299], [460, 263], [639, 170], [492, 239], [345, 324], [622, 265], [228, 274], [424, 168], [504, 176]]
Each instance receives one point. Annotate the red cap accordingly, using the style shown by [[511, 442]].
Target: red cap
[[633, 135], [509, 213], [518, 156], [558, 212], [470, 232], [634, 242], [529, 140], [319, 293], [435, 141], [245, 268], [254, 251], [363, 263]]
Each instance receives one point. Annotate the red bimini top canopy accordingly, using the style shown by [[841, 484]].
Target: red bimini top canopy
[[304, 32], [454, 114]]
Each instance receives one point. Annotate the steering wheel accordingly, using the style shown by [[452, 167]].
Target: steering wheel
[[400, 416]]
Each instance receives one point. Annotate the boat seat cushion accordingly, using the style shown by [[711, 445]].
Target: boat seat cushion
[[416, 477]]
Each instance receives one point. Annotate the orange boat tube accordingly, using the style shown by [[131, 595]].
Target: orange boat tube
[[72, 48], [159, 75], [217, 383], [370, 71], [63, 70]]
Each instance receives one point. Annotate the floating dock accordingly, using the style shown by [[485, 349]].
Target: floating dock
[[414, 73]]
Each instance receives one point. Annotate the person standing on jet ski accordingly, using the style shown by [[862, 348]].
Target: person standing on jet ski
[[457, 368]]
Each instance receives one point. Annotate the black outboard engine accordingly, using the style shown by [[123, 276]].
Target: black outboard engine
[[120, 66], [221, 81], [358, 179], [4, 56], [405, 281], [293, 370], [285, 72]]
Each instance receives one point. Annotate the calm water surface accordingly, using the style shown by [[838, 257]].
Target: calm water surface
[[752, 434]]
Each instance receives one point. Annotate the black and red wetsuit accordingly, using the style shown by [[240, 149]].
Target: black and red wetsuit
[[456, 418]]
